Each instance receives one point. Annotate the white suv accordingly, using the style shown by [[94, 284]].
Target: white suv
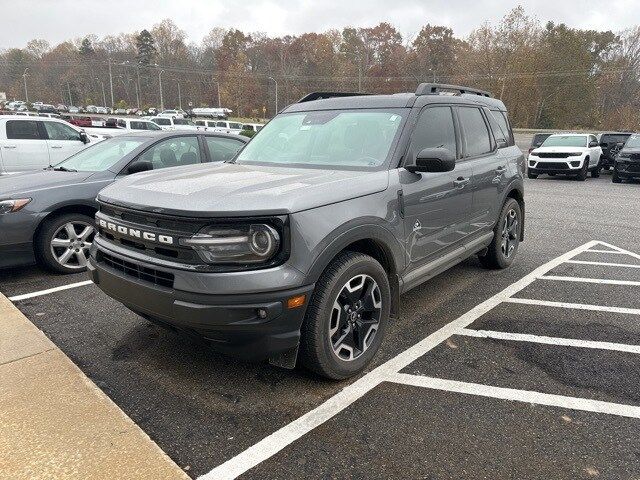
[[566, 154], [33, 143]]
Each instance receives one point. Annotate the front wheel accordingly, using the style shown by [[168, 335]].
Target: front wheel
[[346, 318], [63, 242], [506, 238], [615, 178], [584, 171]]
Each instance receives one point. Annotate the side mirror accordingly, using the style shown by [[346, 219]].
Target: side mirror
[[139, 166], [593, 144], [433, 160], [83, 137], [620, 144]]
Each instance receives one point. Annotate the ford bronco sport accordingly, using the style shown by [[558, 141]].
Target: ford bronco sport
[[299, 248]]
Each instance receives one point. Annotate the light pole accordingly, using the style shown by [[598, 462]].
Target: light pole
[[160, 72], [179, 97], [218, 91], [69, 90], [104, 97], [127, 63], [110, 82], [275, 81], [24, 77]]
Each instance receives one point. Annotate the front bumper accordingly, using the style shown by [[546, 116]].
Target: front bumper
[[560, 166], [230, 322], [627, 169]]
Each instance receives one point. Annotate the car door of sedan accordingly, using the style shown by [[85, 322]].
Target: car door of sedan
[[25, 147]]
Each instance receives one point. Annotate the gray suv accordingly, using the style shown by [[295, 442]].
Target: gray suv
[[299, 248]]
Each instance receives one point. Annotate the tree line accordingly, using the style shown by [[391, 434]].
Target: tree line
[[548, 74]]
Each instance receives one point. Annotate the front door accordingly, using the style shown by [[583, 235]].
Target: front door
[[436, 205], [25, 147], [63, 141]]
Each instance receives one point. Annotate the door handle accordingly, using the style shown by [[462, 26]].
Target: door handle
[[500, 170], [461, 182], [56, 146], [9, 146]]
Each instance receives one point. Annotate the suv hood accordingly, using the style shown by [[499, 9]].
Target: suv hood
[[225, 189], [560, 149], [31, 182]]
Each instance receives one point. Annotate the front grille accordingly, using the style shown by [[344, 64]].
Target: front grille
[[552, 155], [162, 222], [552, 166], [635, 156], [146, 274], [633, 167]]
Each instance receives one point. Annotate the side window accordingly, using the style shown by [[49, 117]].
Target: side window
[[221, 124], [122, 123], [434, 129], [138, 125], [502, 119], [498, 133], [151, 126], [200, 123], [22, 130], [476, 134], [172, 152], [592, 138], [222, 149], [60, 131]]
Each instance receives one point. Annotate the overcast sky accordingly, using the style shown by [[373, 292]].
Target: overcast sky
[[59, 20]]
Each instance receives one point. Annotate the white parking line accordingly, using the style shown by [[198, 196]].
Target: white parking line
[[17, 298], [606, 264], [621, 250], [526, 396], [602, 281], [605, 251], [272, 444], [565, 342], [576, 306]]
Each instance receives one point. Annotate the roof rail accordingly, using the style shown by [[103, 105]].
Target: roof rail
[[436, 88], [321, 95]]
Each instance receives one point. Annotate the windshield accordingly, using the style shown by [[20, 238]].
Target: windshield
[[181, 121], [101, 156], [358, 139], [565, 141], [633, 142], [613, 139]]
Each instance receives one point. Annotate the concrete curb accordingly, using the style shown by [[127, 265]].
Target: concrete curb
[[56, 423]]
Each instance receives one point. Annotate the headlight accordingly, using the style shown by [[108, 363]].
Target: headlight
[[575, 154], [254, 243], [10, 206]]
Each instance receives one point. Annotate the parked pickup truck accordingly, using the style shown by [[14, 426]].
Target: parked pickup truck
[[33, 143]]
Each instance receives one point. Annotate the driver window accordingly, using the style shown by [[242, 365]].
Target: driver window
[[172, 152], [60, 131], [434, 129]]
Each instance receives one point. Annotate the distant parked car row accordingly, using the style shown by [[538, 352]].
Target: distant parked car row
[[577, 154]]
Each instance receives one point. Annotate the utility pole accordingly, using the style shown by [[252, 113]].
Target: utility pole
[[110, 82], [137, 95], [24, 77], [104, 97], [160, 72], [274, 81], [138, 90], [179, 97], [69, 90], [218, 91]]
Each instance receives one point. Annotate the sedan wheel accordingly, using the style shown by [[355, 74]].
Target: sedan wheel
[[70, 244]]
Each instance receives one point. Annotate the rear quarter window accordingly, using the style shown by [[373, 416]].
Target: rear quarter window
[[23, 130]]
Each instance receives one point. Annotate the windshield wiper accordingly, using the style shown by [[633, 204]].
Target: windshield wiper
[[64, 169]]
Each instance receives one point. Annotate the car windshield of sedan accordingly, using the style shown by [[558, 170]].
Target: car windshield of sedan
[[565, 141], [100, 156], [633, 142], [351, 139]]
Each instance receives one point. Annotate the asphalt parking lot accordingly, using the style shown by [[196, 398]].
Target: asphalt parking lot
[[532, 372]]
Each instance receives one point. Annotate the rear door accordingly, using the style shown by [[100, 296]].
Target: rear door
[[63, 141], [481, 133], [25, 147], [437, 205]]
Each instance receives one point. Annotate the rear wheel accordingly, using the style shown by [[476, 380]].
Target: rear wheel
[[615, 178], [346, 318], [506, 238], [63, 242]]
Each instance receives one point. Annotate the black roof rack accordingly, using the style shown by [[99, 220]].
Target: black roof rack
[[321, 95], [436, 88]]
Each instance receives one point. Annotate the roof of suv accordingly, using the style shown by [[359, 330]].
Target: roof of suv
[[433, 93]]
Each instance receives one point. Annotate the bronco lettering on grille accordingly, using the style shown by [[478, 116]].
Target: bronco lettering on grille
[[135, 233]]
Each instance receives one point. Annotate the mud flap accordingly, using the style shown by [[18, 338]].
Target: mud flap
[[286, 359]]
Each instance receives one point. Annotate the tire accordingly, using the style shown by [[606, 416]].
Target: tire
[[496, 257], [615, 178], [532, 176], [584, 171], [55, 247], [595, 173], [330, 317]]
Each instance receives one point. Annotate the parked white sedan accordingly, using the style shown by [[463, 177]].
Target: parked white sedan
[[566, 154]]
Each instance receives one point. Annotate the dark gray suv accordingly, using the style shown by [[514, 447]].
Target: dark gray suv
[[299, 248]]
